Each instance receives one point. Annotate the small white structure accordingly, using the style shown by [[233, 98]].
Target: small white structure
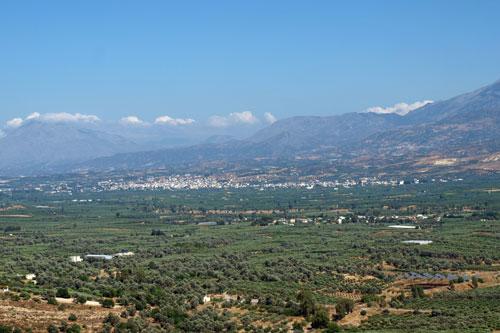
[[30, 276], [5, 289], [75, 259], [206, 299], [402, 226], [419, 242], [98, 256]]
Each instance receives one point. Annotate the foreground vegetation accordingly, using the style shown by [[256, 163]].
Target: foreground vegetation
[[269, 260]]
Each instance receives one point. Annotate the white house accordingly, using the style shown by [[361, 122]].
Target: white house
[[75, 259], [206, 299], [5, 289], [30, 276]]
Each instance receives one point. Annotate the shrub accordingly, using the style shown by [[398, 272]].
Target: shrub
[[72, 317], [52, 329], [108, 303], [81, 299], [74, 329], [52, 301], [25, 295], [63, 293], [332, 328], [112, 319]]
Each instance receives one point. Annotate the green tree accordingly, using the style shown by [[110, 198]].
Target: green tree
[[320, 319], [343, 307], [307, 304], [417, 291], [474, 282]]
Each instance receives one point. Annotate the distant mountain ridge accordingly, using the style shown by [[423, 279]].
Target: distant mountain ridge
[[466, 120], [37, 146], [465, 125]]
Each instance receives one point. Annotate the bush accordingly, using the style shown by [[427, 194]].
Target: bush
[[52, 301], [63, 293], [332, 328], [5, 329], [297, 326], [52, 329], [363, 312], [25, 295], [108, 303], [112, 319], [72, 317], [74, 329], [81, 299]]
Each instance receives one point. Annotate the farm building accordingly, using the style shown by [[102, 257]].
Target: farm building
[[98, 256], [75, 259]]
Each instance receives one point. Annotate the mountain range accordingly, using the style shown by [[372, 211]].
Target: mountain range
[[464, 130]]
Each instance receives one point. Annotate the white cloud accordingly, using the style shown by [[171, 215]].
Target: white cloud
[[245, 117], [68, 117], [33, 116], [400, 108], [269, 117], [166, 120], [2, 134], [133, 120], [55, 117], [14, 123]]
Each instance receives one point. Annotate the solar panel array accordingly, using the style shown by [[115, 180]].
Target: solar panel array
[[435, 276]]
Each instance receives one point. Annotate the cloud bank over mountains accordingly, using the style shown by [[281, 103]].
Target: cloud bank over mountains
[[400, 108], [164, 130], [245, 117], [233, 119]]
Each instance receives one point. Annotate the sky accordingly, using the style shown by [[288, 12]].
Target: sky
[[222, 63]]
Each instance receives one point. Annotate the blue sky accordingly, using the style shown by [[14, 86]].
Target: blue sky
[[200, 59]]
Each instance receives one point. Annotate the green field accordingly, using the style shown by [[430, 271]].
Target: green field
[[244, 254]]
